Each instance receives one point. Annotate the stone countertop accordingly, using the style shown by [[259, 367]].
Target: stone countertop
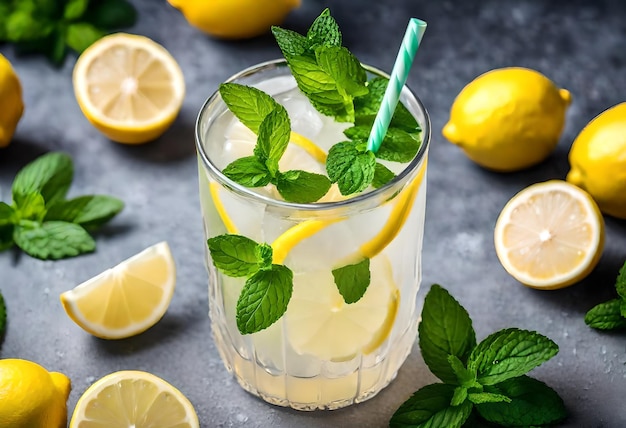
[[581, 45]]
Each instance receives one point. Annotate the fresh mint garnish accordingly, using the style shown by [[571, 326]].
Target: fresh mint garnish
[[269, 120], [610, 315], [382, 175], [268, 286], [353, 280], [351, 166], [41, 221], [487, 378]]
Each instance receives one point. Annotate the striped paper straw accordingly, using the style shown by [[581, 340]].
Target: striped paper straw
[[399, 73]]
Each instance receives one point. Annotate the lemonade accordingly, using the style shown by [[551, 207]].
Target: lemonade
[[322, 352]]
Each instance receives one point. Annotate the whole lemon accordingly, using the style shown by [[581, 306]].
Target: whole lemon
[[12, 103], [234, 19], [598, 160], [32, 397], [508, 119]]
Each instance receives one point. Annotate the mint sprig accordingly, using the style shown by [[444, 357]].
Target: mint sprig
[[269, 120], [44, 224], [610, 315], [268, 287], [485, 380]]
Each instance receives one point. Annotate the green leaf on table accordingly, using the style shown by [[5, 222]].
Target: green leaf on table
[[264, 298], [324, 30], [465, 377], [7, 214], [606, 316], [620, 284], [352, 280], [81, 35], [31, 206], [290, 43], [89, 211], [6, 237], [533, 403], [248, 171], [509, 353], [487, 397], [56, 48], [273, 138], [111, 14], [351, 166], [446, 329], [429, 407], [53, 240], [22, 25], [250, 105], [236, 255], [50, 175], [382, 175], [74, 9], [302, 187]]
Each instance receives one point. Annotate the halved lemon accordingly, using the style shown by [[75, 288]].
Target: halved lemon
[[127, 299], [133, 399], [129, 87], [550, 235], [320, 323]]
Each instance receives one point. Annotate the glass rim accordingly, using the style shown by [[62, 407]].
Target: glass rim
[[316, 206]]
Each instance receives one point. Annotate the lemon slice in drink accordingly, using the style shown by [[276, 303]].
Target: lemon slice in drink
[[550, 235], [127, 299], [133, 399], [320, 323], [129, 87]]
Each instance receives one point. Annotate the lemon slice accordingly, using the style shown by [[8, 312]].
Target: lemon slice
[[550, 235], [127, 299], [133, 399], [320, 323], [129, 87]]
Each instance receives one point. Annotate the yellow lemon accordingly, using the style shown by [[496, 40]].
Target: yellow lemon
[[127, 299], [550, 235], [133, 399], [234, 19], [508, 119], [598, 160], [32, 397], [129, 87], [12, 102]]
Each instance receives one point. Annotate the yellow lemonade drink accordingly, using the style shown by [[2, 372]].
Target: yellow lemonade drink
[[335, 343]]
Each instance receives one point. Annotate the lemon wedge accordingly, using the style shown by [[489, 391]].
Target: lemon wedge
[[127, 299], [133, 399], [129, 87], [549, 235], [320, 323]]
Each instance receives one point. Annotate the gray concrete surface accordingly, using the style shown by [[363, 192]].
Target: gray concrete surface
[[581, 45]]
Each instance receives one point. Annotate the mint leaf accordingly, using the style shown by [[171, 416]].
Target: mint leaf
[[350, 166], [50, 174], [81, 35], [248, 171], [3, 316], [74, 9], [22, 25], [382, 175], [6, 237], [273, 139], [487, 397], [53, 240], [89, 211], [111, 14], [264, 298], [302, 187], [264, 254], [509, 353], [397, 146], [460, 395], [324, 30], [352, 280], [7, 214], [465, 377], [236, 255], [446, 329], [430, 407], [620, 284], [533, 403], [31, 207], [250, 105], [290, 43], [606, 316], [346, 70]]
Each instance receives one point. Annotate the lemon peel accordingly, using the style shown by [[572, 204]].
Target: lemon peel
[[12, 101], [309, 146]]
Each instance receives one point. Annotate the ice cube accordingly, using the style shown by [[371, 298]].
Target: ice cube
[[305, 119]]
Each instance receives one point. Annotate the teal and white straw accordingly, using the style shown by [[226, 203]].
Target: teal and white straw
[[399, 73]]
